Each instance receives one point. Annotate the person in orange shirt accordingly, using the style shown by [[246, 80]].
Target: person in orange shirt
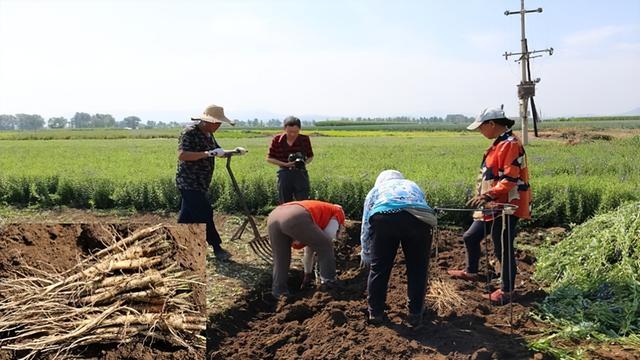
[[504, 179], [302, 222]]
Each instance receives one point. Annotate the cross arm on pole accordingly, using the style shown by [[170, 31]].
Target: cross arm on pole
[[507, 13]]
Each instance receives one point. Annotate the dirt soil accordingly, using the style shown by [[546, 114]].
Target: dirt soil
[[58, 247], [576, 136], [314, 324]]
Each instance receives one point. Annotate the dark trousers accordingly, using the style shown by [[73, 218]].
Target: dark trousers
[[502, 246], [293, 184], [195, 208], [389, 231]]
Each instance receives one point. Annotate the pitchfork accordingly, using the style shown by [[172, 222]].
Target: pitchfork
[[259, 244]]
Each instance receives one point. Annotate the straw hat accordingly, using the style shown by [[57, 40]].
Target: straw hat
[[213, 114]]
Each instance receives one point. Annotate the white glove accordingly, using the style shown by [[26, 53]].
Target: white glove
[[219, 152], [241, 150]]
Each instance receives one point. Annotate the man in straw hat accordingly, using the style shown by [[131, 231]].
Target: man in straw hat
[[197, 149]]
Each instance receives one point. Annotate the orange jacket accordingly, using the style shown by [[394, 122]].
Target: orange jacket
[[505, 175], [321, 212]]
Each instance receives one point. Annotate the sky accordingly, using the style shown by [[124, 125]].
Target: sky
[[167, 60]]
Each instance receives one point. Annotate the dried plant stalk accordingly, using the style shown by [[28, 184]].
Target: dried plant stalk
[[443, 297]]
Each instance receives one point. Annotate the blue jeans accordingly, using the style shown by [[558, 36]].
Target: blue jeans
[[195, 208], [389, 231], [474, 235]]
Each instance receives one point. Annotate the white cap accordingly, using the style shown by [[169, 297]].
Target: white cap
[[488, 114]]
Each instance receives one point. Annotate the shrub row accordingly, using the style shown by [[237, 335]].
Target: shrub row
[[557, 202]]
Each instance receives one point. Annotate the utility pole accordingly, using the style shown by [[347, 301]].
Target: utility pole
[[527, 87]]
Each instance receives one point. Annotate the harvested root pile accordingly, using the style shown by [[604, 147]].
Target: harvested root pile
[[132, 288], [443, 297]]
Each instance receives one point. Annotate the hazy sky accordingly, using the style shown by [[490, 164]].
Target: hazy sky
[[166, 60]]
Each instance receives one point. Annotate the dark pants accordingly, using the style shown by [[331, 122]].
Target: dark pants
[[504, 252], [389, 231], [293, 184], [196, 208]]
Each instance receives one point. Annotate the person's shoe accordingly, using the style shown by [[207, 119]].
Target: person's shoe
[[461, 274], [375, 319], [499, 297], [327, 285], [414, 321], [221, 254], [308, 281]]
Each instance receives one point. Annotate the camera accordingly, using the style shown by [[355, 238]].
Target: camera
[[299, 159]]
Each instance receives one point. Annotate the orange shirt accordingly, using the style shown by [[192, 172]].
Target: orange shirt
[[505, 175], [321, 211]]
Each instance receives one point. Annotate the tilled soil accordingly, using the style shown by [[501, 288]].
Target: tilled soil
[[58, 247], [314, 324]]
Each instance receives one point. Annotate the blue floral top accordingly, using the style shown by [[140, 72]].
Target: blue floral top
[[392, 193]]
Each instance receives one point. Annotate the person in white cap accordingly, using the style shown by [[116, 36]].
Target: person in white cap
[[197, 149], [504, 179]]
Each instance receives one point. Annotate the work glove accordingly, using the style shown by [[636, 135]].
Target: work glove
[[240, 150], [219, 152], [478, 201]]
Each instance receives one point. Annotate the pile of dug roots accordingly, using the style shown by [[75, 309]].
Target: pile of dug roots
[[127, 290]]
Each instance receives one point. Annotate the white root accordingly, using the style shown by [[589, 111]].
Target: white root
[[131, 288]]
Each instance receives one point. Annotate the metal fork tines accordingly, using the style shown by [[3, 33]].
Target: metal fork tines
[[262, 248]]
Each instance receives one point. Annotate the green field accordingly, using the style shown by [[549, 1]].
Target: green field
[[570, 183], [352, 129]]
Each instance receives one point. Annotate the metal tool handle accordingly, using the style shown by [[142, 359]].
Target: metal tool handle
[[507, 208], [254, 227]]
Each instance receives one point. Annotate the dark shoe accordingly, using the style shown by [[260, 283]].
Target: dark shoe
[[222, 254], [308, 281], [414, 321], [461, 274], [375, 319], [328, 285], [499, 297]]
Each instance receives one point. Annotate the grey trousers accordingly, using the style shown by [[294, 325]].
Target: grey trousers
[[293, 222]]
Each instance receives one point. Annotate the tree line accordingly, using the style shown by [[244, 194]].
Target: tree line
[[80, 120]]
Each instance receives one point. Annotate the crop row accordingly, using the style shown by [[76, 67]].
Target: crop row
[[570, 183]]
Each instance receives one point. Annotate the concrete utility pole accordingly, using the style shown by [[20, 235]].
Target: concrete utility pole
[[527, 87]]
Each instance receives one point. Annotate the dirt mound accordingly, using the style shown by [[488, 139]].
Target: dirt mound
[[58, 247], [315, 324]]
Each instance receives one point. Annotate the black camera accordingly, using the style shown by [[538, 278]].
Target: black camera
[[299, 159]]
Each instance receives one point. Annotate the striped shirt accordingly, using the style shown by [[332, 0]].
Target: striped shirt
[[504, 175]]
